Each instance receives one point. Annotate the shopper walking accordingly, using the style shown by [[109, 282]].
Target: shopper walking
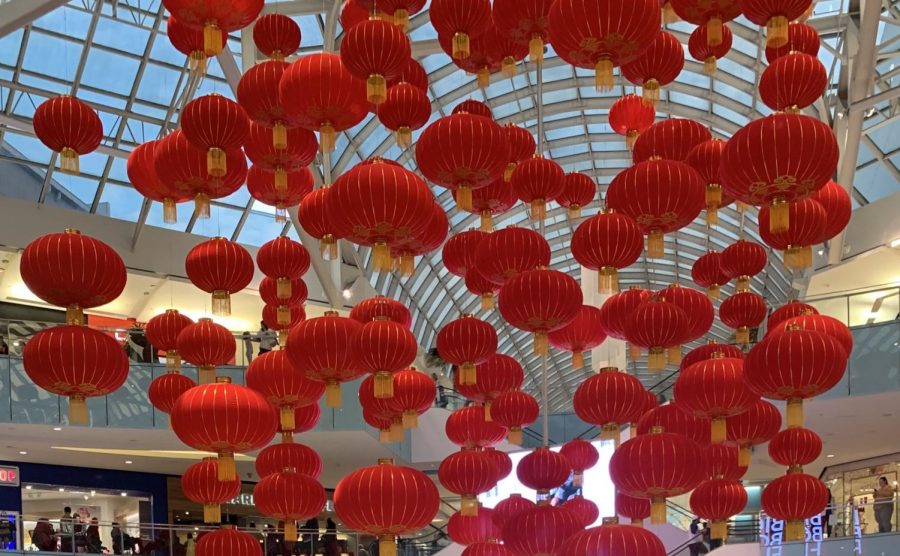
[[884, 505]]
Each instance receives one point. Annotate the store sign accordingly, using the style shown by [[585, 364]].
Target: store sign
[[771, 536], [9, 476], [247, 500]]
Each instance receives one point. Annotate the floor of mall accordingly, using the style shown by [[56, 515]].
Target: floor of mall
[[450, 277]]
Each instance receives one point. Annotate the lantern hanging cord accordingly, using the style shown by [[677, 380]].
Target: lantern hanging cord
[[545, 397], [677, 261], [540, 108]]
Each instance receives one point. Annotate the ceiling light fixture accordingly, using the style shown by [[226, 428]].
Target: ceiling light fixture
[[128, 462], [93, 493], [23, 453], [830, 456], [27, 487], [347, 293], [123, 494], [57, 429], [896, 243], [62, 490]]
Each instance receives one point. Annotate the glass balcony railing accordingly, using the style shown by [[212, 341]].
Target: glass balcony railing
[[874, 306]]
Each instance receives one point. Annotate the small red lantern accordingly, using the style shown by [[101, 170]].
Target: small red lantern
[[671, 139], [672, 418], [206, 345], [272, 375], [582, 334], [290, 497], [540, 301], [478, 285], [496, 198], [510, 251], [698, 309], [521, 147], [467, 342], [609, 399], [264, 187], [743, 311], [468, 473], [587, 511], [276, 35], [710, 16], [498, 374], [270, 128], [321, 349], [501, 460], [162, 332], [630, 116], [382, 348], [201, 485], [314, 219], [509, 507], [707, 273], [578, 191], [381, 307], [165, 389], [793, 82], [543, 470], [228, 540], [525, 22], [220, 267], [635, 509], [607, 243], [405, 109], [581, 456], [795, 446], [706, 159], [657, 325], [700, 50], [285, 260], [215, 124], [141, 169], [775, 15], [754, 427], [789, 310], [537, 181], [515, 410], [709, 350], [288, 455], [69, 127], [838, 208], [616, 312], [715, 389], [801, 38], [809, 222], [467, 427], [742, 261], [215, 18], [375, 50], [462, 20], [413, 395], [658, 66], [794, 498], [467, 530], [542, 529], [458, 254], [297, 152], [723, 462], [718, 500], [190, 42]]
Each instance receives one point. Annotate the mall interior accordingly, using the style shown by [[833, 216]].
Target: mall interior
[[450, 277]]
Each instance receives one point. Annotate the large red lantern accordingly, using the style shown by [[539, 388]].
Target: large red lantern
[[285, 260], [581, 456], [754, 427], [228, 540], [314, 218], [76, 362], [201, 485], [801, 38], [385, 501], [162, 332], [320, 94], [468, 427], [794, 498], [219, 267], [405, 109], [215, 17], [165, 390], [443, 160], [578, 192], [375, 51], [707, 273], [718, 500], [795, 365], [525, 22], [537, 181], [413, 395], [468, 473], [672, 418], [141, 169], [509, 507], [700, 50], [515, 410], [73, 271], [264, 187], [200, 413], [543, 470], [789, 310], [630, 116], [272, 375], [276, 36], [615, 313], [298, 152], [612, 539], [206, 345], [793, 82], [190, 42], [777, 160], [600, 36], [775, 15], [658, 66], [743, 311], [698, 309], [635, 509], [507, 252], [662, 196], [742, 261], [607, 243], [458, 254], [539, 530], [609, 399], [501, 460], [467, 342], [657, 325], [462, 20], [470, 529], [706, 159], [498, 374], [820, 323], [715, 389], [655, 466], [382, 348], [809, 221], [540, 301], [795, 446], [290, 497], [838, 206], [257, 93], [69, 127], [671, 139], [288, 455], [521, 147], [381, 307], [215, 124], [583, 334]]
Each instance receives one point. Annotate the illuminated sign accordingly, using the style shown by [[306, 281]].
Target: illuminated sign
[[9, 476], [245, 499]]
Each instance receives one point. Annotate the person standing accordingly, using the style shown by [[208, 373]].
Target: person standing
[[67, 531], [884, 505], [248, 347], [268, 340], [190, 545]]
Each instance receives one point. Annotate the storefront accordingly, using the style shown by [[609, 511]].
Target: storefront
[[852, 487]]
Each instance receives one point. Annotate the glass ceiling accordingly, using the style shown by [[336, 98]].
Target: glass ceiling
[[115, 56]]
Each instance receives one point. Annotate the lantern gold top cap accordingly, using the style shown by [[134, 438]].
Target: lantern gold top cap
[[609, 370], [72, 231], [610, 521], [204, 319], [385, 461], [657, 429], [171, 311], [223, 380], [331, 313]]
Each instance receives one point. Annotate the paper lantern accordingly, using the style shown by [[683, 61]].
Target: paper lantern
[[486, 549], [801, 38], [581, 456], [521, 147], [458, 254], [497, 198], [671, 139], [616, 312], [215, 124], [288, 455], [718, 500], [510, 251], [271, 130], [228, 540], [399, 10], [789, 310], [509, 507], [305, 419], [272, 375], [201, 485], [502, 461], [672, 418], [586, 511], [657, 325], [215, 18], [820, 323], [467, 530], [809, 222], [373, 50], [496, 375], [190, 42], [478, 285], [468, 428], [609, 399], [381, 307], [775, 15], [276, 36], [219, 267], [290, 497], [698, 309], [710, 350], [754, 427], [715, 389], [539, 530], [405, 109], [838, 208], [525, 22], [414, 393], [793, 82], [162, 332], [69, 127], [743, 311], [700, 50], [742, 261], [206, 345], [658, 66], [462, 20], [607, 243], [723, 462], [543, 470], [141, 169], [264, 187], [612, 539], [285, 260], [707, 273], [706, 159], [294, 156], [515, 410], [467, 342], [383, 347], [709, 15], [795, 446], [537, 181], [468, 473], [794, 498], [635, 509], [582, 334], [165, 389], [630, 116], [540, 301]]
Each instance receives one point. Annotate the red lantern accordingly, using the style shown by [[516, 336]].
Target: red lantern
[[612, 539], [672, 418], [374, 51], [609, 399], [501, 460], [201, 485], [288, 455], [400, 10], [795, 446], [820, 323], [635, 509], [793, 82], [630, 116], [838, 207], [789, 310], [297, 153], [319, 94], [220, 267], [263, 186], [468, 474], [657, 325], [467, 342], [543, 470], [498, 374], [431, 238], [525, 23], [536, 181], [486, 549], [276, 35], [458, 254], [655, 466], [290, 497], [467, 530], [698, 309], [742, 261], [198, 416], [766, 162], [389, 428], [69, 127], [795, 365], [215, 124], [281, 318], [442, 160], [378, 307], [706, 159], [709, 15], [658, 66], [285, 260], [718, 500], [700, 50], [707, 273], [809, 222], [515, 410], [582, 334], [380, 205], [510, 251], [581, 456], [671, 139], [216, 18], [474, 107], [801, 38], [141, 168], [540, 301], [272, 375], [405, 109], [305, 419], [578, 192], [661, 195], [467, 427], [607, 243], [385, 501], [412, 73], [227, 540], [775, 15], [794, 498], [597, 36], [413, 395], [490, 53], [383, 347], [73, 271], [521, 147], [190, 42], [257, 93], [754, 427], [314, 219], [539, 530], [743, 311], [165, 389], [586, 511], [76, 362], [616, 312], [509, 507], [723, 462], [477, 284], [711, 350], [162, 332], [496, 198], [462, 20], [715, 389], [206, 345]]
